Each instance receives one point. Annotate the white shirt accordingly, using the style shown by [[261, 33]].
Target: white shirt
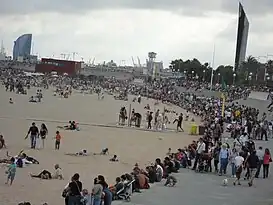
[[243, 139], [201, 147], [228, 114], [239, 160], [270, 127], [260, 154], [159, 169]]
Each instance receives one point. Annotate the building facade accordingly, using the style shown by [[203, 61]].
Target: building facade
[[22, 46], [48, 65]]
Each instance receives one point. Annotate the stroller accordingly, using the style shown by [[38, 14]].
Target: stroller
[[126, 192]]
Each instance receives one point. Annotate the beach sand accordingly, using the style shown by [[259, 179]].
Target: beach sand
[[130, 145]]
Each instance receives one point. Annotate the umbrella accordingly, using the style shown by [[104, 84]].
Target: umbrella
[[65, 74], [54, 73]]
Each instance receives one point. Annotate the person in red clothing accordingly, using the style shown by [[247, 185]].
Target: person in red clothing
[[266, 162], [57, 140]]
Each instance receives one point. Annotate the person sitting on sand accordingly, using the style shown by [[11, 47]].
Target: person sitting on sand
[[104, 151], [114, 158], [2, 142], [21, 160], [72, 126], [32, 99], [80, 153], [147, 107], [45, 174], [10, 101]]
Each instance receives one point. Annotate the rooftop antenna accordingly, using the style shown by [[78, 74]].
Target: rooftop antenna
[[93, 61], [68, 56]]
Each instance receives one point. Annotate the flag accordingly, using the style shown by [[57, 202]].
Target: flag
[[224, 89]]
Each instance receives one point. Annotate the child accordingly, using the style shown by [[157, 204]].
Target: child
[[57, 140], [11, 171]]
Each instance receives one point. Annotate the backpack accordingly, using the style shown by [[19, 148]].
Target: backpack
[[19, 163]]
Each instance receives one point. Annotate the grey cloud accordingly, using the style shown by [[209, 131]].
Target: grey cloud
[[12, 7]]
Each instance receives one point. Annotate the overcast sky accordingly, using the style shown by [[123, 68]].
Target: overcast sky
[[118, 29]]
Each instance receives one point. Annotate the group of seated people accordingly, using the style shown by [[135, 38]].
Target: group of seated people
[[71, 126], [21, 160]]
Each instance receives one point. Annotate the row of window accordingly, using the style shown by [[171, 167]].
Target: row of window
[[53, 63]]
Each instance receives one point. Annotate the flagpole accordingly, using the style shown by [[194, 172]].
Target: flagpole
[[212, 66]]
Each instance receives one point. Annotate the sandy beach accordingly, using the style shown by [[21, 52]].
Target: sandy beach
[[129, 144]]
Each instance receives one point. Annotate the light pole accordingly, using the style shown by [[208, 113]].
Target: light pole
[[234, 78], [250, 77], [268, 55], [219, 77], [192, 72], [204, 73], [185, 73]]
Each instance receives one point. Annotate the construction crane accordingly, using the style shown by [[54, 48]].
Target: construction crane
[[68, 56], [133, 61], [73, 54], [138, 60], [93, 61], [63, 55]]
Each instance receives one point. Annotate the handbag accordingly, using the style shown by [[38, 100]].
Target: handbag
[[82, 199], [66, 192]]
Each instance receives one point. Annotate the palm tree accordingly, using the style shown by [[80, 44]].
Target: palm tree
[[249, 68], [269, 68]]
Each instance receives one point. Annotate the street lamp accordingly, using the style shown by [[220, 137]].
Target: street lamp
[[218, 77], [192, 72], [234, 77], [204, 72]]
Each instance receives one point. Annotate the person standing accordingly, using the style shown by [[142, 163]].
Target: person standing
[[57, 140], [34, 133], [252, 161], [97, 192], [266, 161], [75, 190], [201, 148], [43, 133], [223, 156], [260, 153], [239, 163], [11, 171]]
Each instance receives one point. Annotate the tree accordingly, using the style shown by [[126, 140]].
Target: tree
[[225, 73], [269, 69], [249, 69]]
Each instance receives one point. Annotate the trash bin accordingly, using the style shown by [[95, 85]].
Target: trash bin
[[193, 130], [201, 130], [138, 119]]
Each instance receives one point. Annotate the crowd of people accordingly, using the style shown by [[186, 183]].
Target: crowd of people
[[211, 153]]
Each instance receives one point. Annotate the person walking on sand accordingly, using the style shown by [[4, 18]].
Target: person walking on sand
[[179, 123], [11, 171], [57, 140], [34, 132]]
